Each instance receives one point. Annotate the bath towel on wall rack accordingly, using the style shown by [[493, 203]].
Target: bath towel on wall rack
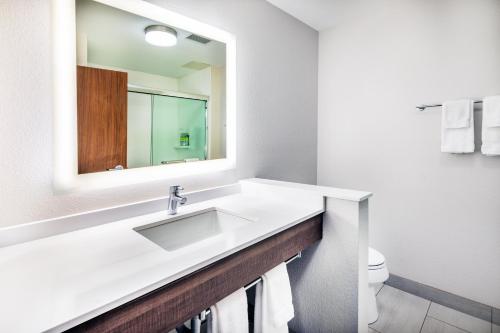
[[423, 107], [454, 136], [457, 127]]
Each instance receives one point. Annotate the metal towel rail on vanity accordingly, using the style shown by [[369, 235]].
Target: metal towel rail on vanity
[[251, 284], [196, 321]]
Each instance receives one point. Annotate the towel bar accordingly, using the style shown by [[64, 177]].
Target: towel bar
[[203, 315], [425, 106]]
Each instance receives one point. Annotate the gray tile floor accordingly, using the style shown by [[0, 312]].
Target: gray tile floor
[[400, 312]]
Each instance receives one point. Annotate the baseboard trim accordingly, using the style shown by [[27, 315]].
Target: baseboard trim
[[445, 298]]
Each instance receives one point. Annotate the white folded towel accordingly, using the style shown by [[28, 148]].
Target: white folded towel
[[273, 302], [229, 315], [491, 126], [457, 127]]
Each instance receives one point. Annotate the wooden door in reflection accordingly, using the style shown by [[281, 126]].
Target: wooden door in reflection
[[102, 119]]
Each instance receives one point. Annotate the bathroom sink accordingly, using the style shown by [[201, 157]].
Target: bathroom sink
[[175, 233]]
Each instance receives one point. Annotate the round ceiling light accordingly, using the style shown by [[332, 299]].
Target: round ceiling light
[[160, 35]]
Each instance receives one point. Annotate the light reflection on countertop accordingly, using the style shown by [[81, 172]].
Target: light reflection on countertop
[[61, 281]]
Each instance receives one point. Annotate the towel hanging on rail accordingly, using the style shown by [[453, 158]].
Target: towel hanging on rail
[[196, 321], [491, 126], [230, 315], [273, 302], [457, 126]]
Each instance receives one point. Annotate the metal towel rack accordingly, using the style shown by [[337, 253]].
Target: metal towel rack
[[196, 321], [253, 283], [425, 106]]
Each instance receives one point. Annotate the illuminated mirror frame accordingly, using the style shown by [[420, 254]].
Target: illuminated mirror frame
[[66, 177]]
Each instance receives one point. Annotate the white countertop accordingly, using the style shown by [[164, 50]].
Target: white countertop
[[55, 283]]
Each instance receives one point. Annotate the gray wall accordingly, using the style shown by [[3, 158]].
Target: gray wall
[[435, 216], [276, 106], [330, 282]]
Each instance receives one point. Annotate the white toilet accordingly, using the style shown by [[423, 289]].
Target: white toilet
[[377, 273]]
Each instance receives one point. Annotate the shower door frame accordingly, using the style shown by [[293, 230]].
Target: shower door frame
[[173, 94]]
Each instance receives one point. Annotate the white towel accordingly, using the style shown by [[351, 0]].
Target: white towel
[[457, 127], [229, 315], [491, 126], [273, 302]]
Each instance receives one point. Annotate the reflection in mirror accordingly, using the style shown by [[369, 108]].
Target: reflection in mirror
[[148, 94]]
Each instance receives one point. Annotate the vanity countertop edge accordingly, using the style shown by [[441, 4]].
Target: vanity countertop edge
[[103, 267]]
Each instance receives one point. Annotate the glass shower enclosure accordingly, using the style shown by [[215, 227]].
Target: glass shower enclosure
[[165, 129]]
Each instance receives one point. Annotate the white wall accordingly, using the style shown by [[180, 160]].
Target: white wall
[[217, 119], [209, 82], [435, 216], [198, 82], [152, 81], [277, 98], [145, 80], [138, 130]]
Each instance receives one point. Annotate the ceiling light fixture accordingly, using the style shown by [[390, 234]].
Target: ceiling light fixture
[[160, 35]]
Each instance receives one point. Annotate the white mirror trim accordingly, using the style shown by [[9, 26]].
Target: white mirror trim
[[66, 177]]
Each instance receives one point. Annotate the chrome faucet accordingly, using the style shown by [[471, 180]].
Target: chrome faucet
[[175, 198]]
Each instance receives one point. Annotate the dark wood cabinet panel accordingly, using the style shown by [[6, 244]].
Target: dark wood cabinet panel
[[164, 308], [102, 119]]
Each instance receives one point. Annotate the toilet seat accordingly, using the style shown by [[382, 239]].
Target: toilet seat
[[376, 260], [377, 273], [377, 270]]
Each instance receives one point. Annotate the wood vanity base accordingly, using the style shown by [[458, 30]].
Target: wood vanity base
[[166, 307]]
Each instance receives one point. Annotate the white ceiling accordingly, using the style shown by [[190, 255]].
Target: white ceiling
[[116, 38], [318, 14]]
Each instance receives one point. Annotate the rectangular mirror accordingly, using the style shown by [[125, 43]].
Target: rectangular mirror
[[123, 102], [148, 93]]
